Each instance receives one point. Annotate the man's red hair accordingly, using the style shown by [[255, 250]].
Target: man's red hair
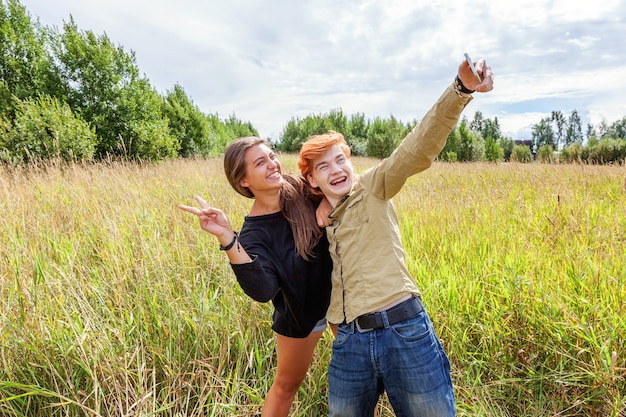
[[316, 146]]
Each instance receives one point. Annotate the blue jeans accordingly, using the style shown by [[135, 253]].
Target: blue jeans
[[405, 359]]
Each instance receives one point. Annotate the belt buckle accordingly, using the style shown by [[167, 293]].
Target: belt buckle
[[356, 322]]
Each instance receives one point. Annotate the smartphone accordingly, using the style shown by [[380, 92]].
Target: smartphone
[[472, 67]]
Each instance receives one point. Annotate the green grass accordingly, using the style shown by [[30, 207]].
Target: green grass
[[115, 303]]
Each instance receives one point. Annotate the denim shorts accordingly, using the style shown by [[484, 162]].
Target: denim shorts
[[404, 359], [319, 326]]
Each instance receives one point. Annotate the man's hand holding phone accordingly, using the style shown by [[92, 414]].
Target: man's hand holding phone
[[473, 68]]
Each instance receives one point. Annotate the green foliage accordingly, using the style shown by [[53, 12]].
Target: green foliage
[[6, 105], [102, 83], [5, 128], [236, 128], [23, 56], [487, 127], [617, 130], [572, 153], [338, 121], [558, 130], [151, 140], [383, 136], [218, 134], [559, 121], [450, 149], [521, 154], [356, 135], [450, 156], [375, 139], [296, 132], [46, 129], [592, 140], [289, 135], [574, 131], [466, 144], [546, 154], [142, 130], [607, 151], [543, 134], [507, 147], [222, 132], [471, 146], [187, 123], [493, 151]]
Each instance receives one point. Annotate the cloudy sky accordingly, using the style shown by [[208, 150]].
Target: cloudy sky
[[269, 61]]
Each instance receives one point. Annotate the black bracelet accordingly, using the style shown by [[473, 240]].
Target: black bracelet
[[231, 244], [460, 88]]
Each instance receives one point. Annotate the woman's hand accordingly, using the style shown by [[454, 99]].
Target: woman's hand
[[212, 219]]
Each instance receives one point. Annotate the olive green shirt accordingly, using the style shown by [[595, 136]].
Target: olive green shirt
[[369, 269]]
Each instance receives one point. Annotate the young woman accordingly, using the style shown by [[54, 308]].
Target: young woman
[[280, 255]]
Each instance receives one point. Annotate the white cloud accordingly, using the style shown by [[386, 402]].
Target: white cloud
[[271, 61]]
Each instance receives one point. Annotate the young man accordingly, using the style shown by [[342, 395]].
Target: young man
[[385, 339]]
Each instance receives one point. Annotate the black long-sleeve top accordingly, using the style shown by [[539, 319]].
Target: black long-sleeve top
[[299, 289]]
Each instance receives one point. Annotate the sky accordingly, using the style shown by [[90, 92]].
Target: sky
[[268, 62]]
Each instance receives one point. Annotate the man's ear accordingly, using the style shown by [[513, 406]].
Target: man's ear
[[312, 181]]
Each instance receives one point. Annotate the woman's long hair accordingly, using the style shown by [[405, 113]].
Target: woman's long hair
[[298, 200]]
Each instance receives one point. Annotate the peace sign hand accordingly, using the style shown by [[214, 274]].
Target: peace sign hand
[[212, 219]]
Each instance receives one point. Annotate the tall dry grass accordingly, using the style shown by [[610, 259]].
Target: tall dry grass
[[115, 303]]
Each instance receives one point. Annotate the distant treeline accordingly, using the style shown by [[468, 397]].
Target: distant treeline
[[73, 95], [480, 139]]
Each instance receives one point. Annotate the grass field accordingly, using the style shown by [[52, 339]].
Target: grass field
[[115, 303]]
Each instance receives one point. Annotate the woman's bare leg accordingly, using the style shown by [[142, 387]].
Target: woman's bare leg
[[294, 358]]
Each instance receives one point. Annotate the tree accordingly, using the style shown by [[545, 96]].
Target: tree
[[602, 129], [356, 134], [590, 130], [384, 136], [337, 121], [236, 128], [471, 145], [506, 144], [24, 64], [289, 136], [138, 121], [478, 122], [101, 82], [354, 128], [186, 122], [491, 128], [44, 129], [543, 134], [450, 149], [617, 129], [493, 151], [574, 131], [487, 127], [559, 121]]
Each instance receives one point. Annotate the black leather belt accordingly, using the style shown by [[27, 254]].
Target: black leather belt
[[405, 310]]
